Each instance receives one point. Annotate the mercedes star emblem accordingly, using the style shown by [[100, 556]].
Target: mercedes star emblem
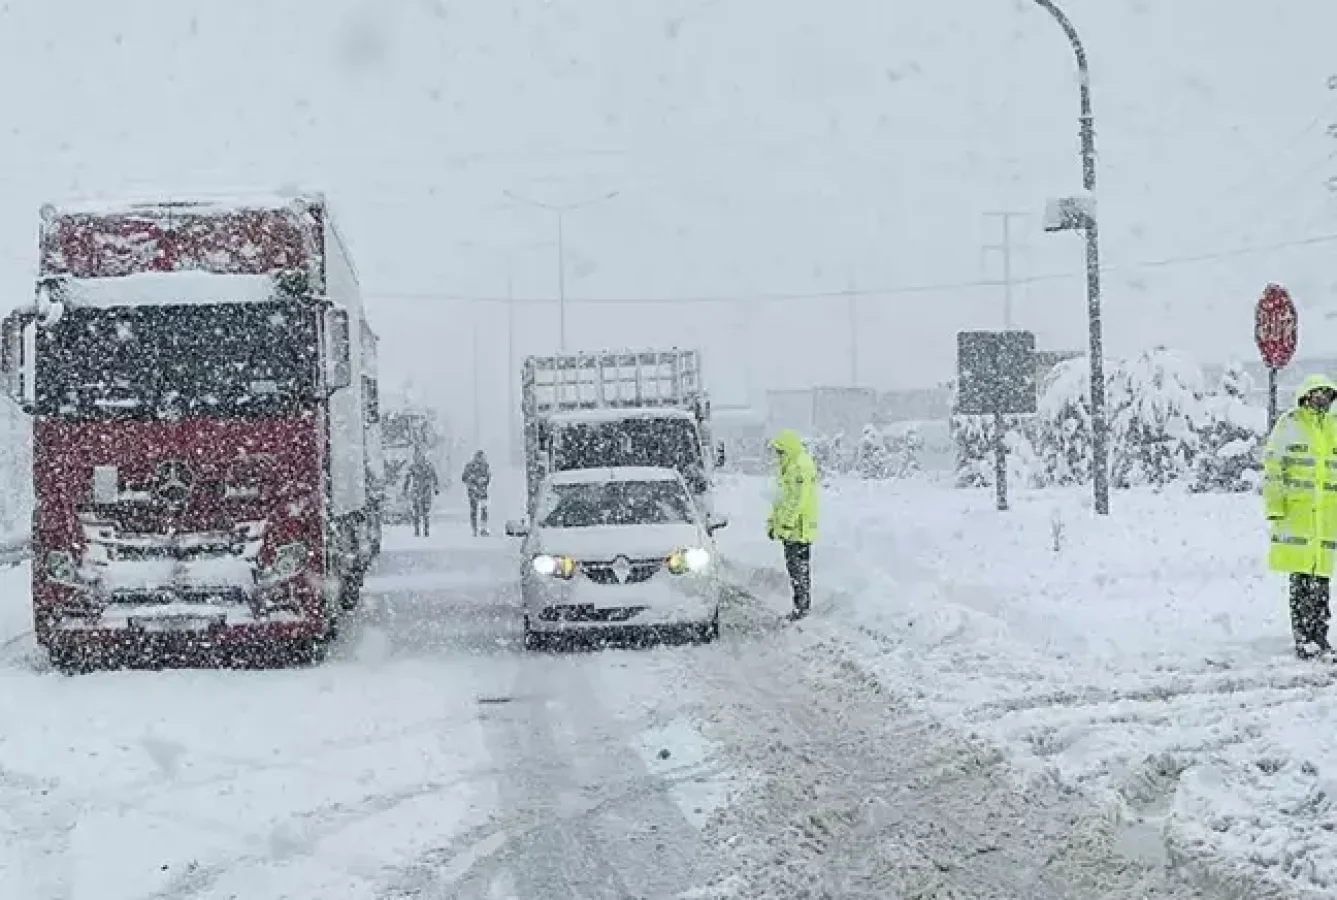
[[173, 481], [622, 569]]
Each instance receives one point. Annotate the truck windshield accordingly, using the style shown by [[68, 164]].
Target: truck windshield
[[231, 359], [663, 442], [588, 504]]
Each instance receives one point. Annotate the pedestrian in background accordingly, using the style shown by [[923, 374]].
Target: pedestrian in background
[[477, 476], [421, 485]]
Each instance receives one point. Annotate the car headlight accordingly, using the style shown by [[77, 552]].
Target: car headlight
[[554, 566], [288, 561], [693, 559]]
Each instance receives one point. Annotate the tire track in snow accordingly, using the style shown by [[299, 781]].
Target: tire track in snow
[[863, 797], [583, 817]]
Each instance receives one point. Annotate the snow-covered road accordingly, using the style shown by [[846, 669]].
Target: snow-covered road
[[431, 757]]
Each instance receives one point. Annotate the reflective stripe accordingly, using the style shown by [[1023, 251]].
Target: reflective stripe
[[1297, 448], [1299, 483], [1330, 485], [1328, 545], [1298, 460], [1289, 539]]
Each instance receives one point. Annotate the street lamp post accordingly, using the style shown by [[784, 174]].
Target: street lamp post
[[560, 211], [1080, 213]]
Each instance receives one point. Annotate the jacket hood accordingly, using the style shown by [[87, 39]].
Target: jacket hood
[[1314, 383], [788, 443]]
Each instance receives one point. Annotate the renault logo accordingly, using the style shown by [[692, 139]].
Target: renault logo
[[621, 569], [173, 481]]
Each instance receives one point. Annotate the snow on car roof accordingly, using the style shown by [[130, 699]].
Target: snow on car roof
[[613, 473], [199, 203], [613, 413], [168, 288]]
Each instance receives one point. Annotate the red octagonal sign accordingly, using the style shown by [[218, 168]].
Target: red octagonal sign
[[1276, 327]]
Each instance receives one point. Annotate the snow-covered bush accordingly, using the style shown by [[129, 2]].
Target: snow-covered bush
[[874, 459], [1231, 437], [1155, 405], [905, 449], [1062, 428], [831, 455], [974, 439]]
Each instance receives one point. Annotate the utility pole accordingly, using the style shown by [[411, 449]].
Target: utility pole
[[560, 212], [477, 380], [1005, 249], [512, 404], [1081, 215], [853, 310]]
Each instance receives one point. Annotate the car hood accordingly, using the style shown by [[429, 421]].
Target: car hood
[[606, 542]]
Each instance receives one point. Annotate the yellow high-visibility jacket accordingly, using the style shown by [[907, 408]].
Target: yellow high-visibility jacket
[[1300, 487], [794, 516]]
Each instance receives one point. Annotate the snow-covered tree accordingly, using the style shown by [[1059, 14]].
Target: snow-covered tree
[[906, 448], [830, 454], [1062, 429], [974, 438], [873, 457], [1155, 404], [1231, 437]]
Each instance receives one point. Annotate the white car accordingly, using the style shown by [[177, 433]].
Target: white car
[[618, 548]]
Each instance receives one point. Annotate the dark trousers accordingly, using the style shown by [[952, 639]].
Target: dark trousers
[[798, 562], [478, 512], [1309, 613], [422, 515]]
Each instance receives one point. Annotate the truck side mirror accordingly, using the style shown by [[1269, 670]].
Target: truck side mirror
[[337, 350], [719, 454], [18, 354]]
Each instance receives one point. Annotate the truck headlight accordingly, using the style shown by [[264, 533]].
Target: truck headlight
[[60, 567], [288, 561], [693, 559], [554, 566]]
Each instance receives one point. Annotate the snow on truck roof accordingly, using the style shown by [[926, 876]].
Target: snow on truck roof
[[613, 473], [197, 203], [613, 413], [186, 286]]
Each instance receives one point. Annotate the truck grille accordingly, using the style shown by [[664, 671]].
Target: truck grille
[[606, 572], [588, 613], [204, 596]]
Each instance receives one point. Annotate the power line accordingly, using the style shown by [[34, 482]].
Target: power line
[[897, 290]]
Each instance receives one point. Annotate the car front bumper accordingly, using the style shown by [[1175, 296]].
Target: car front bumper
[[552, 605]]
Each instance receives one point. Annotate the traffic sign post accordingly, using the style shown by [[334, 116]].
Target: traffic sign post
[[996, 377], [1276, 332]]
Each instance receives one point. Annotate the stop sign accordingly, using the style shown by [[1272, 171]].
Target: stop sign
[[1275, 327]]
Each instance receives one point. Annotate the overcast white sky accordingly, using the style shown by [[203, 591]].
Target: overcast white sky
[[760, 147]]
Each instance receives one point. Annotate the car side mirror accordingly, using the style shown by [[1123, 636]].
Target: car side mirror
[[715, 523], [517, 528]]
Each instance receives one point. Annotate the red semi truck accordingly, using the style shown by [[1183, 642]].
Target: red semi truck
[[207, 466]]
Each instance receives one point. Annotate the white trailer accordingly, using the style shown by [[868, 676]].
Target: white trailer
[[618, 408]]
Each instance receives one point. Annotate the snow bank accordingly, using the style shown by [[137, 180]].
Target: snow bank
[[214, 784], [1144, 658]]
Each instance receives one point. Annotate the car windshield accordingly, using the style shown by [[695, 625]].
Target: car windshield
[[230, 359], [587, 504]]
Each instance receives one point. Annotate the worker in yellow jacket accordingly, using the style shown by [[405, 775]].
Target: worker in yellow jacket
[[1300, 499], [793, 518]]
